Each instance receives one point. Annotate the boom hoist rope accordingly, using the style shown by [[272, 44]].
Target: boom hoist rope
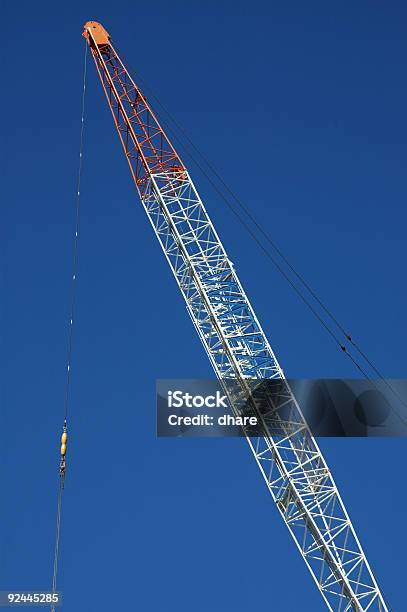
[[341, 343], [179, 133], [64, 436], [323, 322]]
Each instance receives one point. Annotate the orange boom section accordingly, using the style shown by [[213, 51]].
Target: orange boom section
[[147, 148]]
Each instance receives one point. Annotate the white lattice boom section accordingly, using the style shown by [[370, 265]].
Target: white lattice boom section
[[288, 457]]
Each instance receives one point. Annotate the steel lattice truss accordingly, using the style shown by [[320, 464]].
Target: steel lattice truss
[[288, 457]]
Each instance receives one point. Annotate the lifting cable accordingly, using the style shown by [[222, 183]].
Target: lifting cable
[[64, 437], [328, 328]]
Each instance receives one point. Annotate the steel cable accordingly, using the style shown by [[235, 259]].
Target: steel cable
[[71, 324], [277, 249]]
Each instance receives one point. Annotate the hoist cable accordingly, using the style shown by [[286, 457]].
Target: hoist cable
[[57, 538], [70, 334], [75, 242], [277, 249]]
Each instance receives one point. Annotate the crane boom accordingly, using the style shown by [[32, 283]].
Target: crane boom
[[288, 456]]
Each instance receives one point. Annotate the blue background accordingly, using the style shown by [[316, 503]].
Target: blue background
[[302, 107]]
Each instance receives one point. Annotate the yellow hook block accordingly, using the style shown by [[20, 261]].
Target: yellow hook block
[[64, 439]]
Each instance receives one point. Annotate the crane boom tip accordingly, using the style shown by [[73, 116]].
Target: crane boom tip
[[94, 30]]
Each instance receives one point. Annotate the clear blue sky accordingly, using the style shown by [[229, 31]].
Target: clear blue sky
[[302, 107]]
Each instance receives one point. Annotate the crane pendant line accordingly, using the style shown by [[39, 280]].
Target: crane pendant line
[[289, 459]]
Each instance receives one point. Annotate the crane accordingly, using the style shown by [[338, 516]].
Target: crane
[[289, 459]]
